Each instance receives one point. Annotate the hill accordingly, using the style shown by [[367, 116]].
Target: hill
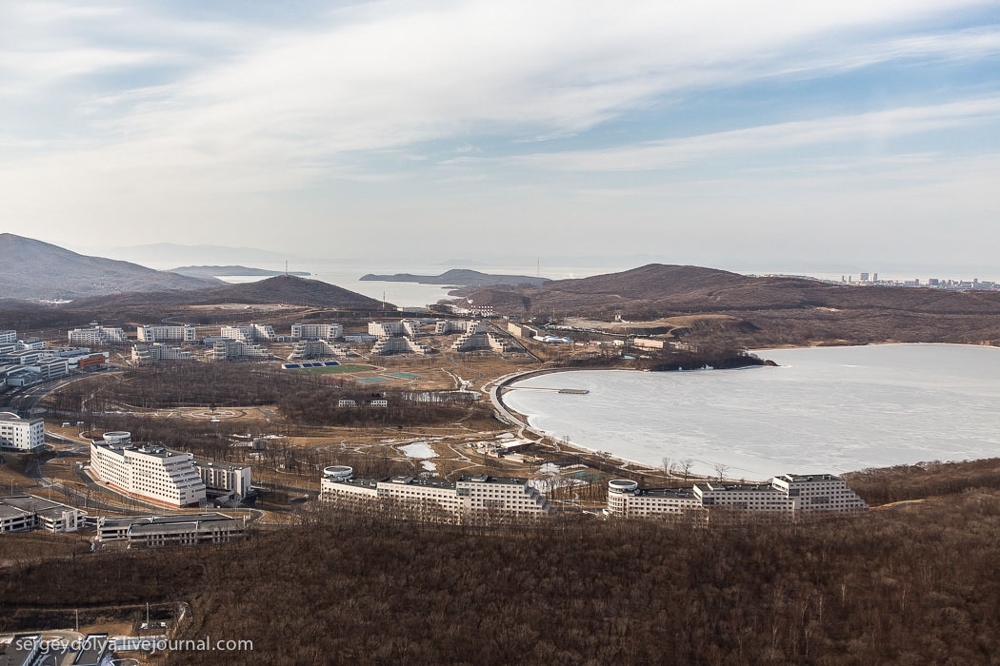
[[460, 277], [286, 289], [661, 290], [33, 270], [218, 271], [719, 307]]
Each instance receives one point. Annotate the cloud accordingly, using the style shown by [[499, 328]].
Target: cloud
[[871, 126]]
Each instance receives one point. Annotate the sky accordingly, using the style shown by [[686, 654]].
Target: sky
[[767, 135]]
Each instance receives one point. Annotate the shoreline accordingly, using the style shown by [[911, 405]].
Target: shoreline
[[506, 413]]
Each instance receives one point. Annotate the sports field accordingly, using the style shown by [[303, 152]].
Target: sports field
[[337, 369]]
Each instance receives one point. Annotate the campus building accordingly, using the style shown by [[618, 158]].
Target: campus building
[[227, 348], [97, 335], [471, 498], [326, 332], [151, 352], [21, 434], [220, 476], [25, 512], [788, 493], [187, 530], [149, 472], [183, 333], [385, 346], [249, 333]]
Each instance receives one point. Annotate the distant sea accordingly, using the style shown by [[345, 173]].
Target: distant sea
[[412, 294]]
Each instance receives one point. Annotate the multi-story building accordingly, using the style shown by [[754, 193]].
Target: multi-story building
[[491, 341], [21, 434], [627, 500], [819, 492], [249, 333], [149, 472], [754, 497], [326, 332], [220, 476], [385, 329], [26, 512], [471, 498], [397, 345], [788, 493], [97, 335], [155, 351], [305, 349], [182, 333], [228, 348], [8, 337], [189, 530]]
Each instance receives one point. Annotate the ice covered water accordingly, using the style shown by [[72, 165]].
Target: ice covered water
[[833, 409]]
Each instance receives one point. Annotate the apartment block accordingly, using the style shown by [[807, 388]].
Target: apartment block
[[327, 332]]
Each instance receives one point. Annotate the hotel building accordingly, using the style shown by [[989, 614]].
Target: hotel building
[[149, 472]]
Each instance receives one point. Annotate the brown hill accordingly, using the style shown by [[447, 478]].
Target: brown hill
[[33, 270], [660, 290], [287, 289]]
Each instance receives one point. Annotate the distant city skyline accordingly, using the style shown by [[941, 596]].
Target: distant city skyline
[[861, 136]]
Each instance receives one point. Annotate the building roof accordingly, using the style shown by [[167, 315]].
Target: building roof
[[680, 493]]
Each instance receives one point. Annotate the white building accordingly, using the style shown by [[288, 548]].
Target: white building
[[187, 530], [8, 337], [183, 333], [491, 341], [23, 513], [471, 498], [249, 333], [149, 472], [397, 345], [21, 434], [385, 329], [97, 335], [787, 493], [227, 349], [224, 476], [156, 351], [819, 492], [327, 332], [625, 499]]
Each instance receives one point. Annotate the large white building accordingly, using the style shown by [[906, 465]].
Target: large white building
[[8, 337], [327, 332], [97, 335], [21, 434], [183, 333], [471, 498], [143, 352], [819, 492], [789, 493], [627, 500], [249, 333], [397, 345], [186, 530], [149, 472], [228, 348]]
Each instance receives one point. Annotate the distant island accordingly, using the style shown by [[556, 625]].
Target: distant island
[[230, 271], [460, 277]]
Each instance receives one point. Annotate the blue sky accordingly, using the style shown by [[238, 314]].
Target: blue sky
[[765, 135]]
